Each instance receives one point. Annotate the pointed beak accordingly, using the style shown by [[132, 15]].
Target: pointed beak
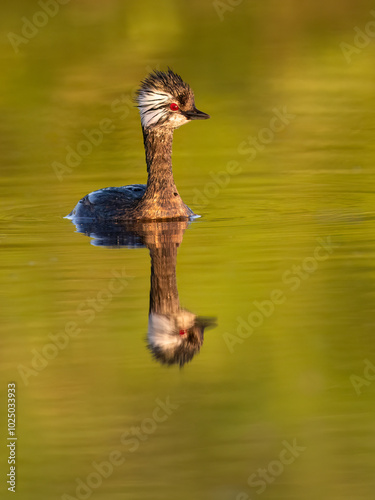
[[195, 114]]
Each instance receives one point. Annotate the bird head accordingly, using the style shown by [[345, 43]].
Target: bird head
[[176, 338], [165, 100]]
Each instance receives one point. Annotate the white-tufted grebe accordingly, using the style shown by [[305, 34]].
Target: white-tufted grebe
[[165, 102]]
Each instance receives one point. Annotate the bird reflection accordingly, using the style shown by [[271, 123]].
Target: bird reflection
[[175, 335]]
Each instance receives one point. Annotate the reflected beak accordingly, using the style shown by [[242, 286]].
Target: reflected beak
[[206, 322], [195, 114]]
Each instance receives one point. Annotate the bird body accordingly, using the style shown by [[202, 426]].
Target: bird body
[[165, 102]]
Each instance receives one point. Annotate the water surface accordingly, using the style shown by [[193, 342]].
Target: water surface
[[283, 255]]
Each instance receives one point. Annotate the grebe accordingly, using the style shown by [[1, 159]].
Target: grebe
[[165, 102]]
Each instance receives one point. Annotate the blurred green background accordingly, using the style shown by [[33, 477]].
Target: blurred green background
[[292, 379]]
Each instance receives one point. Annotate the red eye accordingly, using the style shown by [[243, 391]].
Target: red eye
[[174, 106], [182, 332]]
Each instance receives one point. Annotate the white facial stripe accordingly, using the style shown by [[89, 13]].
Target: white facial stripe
[[161, 332], [151, 117], [151, 106], [148, 96]]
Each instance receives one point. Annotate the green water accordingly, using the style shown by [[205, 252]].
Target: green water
[[283, 255]]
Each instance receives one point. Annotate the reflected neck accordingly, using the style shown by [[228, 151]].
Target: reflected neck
[[163, 293]]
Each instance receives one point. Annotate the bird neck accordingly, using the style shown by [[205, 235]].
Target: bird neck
[[161, 199], [158, 149]]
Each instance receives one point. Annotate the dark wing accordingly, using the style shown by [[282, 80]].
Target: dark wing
[[108, 203]]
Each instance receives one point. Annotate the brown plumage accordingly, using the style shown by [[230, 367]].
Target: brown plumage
[[165, 102]]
